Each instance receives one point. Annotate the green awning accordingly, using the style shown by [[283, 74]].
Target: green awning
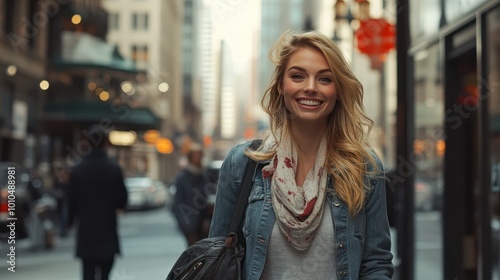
[[96, 111], [116, 65]]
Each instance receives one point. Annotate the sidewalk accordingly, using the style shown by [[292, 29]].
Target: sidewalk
[[150, 245]]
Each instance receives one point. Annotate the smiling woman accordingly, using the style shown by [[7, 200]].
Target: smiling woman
[[319, 189]]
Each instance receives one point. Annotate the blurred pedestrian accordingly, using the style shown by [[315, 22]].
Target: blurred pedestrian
[[317, 207], [190, 205], [96, 194]]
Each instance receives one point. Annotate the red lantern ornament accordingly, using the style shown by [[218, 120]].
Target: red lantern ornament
[[375, 36]]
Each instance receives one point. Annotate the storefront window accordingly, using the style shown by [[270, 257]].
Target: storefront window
[[491, 87], [428, 153]]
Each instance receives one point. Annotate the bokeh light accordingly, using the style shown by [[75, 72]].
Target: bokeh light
[[151, 135], [92, 86], [76, 19], [127, 87], [11, 70], [44, 85], [163, 87], [164, 146], [104, 95]]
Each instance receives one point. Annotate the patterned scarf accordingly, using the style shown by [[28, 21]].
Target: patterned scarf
[[299, 209]]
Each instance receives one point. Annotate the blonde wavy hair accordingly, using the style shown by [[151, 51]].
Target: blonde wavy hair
[[348, 126]]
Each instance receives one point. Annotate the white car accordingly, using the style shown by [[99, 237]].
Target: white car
[[145, 193]]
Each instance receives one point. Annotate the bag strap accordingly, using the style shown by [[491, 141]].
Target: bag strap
[[241, 204]]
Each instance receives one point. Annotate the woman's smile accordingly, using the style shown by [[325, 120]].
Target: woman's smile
[[309, 103]]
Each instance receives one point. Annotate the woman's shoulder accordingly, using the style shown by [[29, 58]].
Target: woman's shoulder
[[237, 153], [237, 158], [373, 163]]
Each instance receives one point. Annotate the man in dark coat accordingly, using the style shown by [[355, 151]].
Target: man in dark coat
[[190, 205], [96, 194]]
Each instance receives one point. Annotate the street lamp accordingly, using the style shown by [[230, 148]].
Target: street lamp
[[364, 9], [371, 36], [341, 10], [351, 12], [348, 15]]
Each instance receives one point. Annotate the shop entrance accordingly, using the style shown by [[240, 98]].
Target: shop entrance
[[461, 188]]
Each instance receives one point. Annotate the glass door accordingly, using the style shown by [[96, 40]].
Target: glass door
[[491, 92], [428, 152], [461, 187]]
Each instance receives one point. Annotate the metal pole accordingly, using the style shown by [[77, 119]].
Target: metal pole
[[405, 135]]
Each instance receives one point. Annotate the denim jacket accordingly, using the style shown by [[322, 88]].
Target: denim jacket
[[362, 242]]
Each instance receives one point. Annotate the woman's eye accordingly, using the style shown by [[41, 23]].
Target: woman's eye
[[325, 80], [296, 76]]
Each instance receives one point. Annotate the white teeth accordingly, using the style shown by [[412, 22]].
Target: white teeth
[[309, 102]]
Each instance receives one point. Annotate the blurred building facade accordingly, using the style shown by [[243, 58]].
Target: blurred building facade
[[150, 34], [62, 83], [23, 52], [87, 76]]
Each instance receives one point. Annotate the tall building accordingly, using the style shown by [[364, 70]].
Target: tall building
[[209, 70], [227, 117], [277, 17], [150, 33], [237, 88], [190, 74]]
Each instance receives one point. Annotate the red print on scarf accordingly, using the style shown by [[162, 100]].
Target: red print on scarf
[[266, 174], [320, 172], [288, 162], [291, 193], [307, 210]]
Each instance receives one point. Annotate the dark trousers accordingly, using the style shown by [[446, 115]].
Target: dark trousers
[[96, 269]]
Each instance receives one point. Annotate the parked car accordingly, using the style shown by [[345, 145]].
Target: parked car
[[16, 199], [146, 193]]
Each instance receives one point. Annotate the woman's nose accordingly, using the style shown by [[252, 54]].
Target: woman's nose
[[310, 86]]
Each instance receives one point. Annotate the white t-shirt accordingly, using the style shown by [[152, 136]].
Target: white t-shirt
[[284, 262]]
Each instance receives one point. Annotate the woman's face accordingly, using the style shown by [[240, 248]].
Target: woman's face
[[308, 88]]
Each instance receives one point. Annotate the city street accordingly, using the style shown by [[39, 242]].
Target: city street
[[150, 246]]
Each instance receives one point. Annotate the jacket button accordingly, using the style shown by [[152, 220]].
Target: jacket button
[[341, 245], [336, 204], [343, 273]]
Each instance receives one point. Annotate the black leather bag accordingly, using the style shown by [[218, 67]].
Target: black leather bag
[[219, 258], [210, 258]]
